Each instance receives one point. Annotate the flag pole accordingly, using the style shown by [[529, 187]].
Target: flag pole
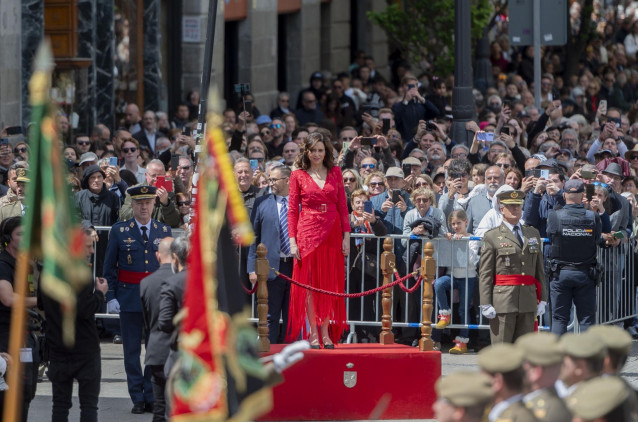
[[208, 65], [13, 398]]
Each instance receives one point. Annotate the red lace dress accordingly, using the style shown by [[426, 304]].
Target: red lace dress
[[318, 228]]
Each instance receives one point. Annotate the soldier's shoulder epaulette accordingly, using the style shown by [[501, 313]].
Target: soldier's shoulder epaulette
[[120, 223], [491, 230]]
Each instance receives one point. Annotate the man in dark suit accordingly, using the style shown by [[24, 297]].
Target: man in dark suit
[[270, 222], [130, 257], [158, 344], [170, 298]]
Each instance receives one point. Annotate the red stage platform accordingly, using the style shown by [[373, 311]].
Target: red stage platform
[[358, 381]]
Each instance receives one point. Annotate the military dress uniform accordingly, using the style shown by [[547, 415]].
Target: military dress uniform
[[502, 359], [129, 259], [511, 277], [543, 350]]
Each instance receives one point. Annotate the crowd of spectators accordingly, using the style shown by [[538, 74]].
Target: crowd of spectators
[[392, 139]]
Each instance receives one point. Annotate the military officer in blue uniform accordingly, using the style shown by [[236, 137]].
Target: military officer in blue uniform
[[130, 256]]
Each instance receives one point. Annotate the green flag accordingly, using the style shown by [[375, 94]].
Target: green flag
[[50, 231]]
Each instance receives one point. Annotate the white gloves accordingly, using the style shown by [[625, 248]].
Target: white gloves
[[488, 311], [540, 310], [289, 355], [113, 307]]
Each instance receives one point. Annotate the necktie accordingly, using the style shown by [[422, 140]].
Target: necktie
[[517, 233], [144, 236], [284, 239]]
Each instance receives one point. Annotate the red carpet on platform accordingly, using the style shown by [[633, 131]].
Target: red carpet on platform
[[358, 381]]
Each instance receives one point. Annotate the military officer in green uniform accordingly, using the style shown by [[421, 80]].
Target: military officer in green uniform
[[603, 399], [584, 356], [543, 357], [462, 396], [503, 363], [618, 342], [511, 278]]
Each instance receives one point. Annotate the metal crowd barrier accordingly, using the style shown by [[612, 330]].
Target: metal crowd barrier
[[617, 296]]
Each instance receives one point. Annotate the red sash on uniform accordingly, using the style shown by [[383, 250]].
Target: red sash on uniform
[[132, 277], [520, 280]]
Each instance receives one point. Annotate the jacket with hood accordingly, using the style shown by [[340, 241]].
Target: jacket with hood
[[100, 209]]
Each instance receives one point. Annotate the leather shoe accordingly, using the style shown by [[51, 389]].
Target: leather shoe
[[117, 339], [138, 408], [148, 407]]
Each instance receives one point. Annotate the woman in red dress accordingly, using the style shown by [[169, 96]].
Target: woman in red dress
[[319, 240]]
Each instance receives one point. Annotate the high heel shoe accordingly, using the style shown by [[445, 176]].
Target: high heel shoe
[[327, 343], [314, 341]]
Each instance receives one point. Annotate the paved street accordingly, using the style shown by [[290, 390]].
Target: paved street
[[115, 404]]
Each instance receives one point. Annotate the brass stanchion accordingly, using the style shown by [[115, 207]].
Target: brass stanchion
[[428, 270], [388, 264], [262, 268]]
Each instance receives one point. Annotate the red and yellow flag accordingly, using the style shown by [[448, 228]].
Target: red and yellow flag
[[218, 376]]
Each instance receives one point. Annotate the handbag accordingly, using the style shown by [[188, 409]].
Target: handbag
[[369, 263]]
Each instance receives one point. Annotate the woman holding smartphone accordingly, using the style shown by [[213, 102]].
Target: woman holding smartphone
[[362, 265]]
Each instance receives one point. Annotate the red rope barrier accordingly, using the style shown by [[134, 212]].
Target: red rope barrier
[[251, 291], [411, 289], [352, 295]]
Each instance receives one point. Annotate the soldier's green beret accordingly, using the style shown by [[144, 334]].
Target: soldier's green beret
[[615, 338], [500, 358], [540, 349], [597, 397], [584, 346], [464, 388]]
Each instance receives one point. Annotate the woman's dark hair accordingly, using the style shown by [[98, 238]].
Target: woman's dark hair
[[8, 226], [303, 161], [74, 148], [129, 177]]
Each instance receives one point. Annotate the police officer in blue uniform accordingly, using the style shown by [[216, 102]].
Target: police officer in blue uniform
[[130, 256], [574, 233]]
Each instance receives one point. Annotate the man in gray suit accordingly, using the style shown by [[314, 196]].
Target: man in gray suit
[[158, 344], [480, 204], [270, 222]]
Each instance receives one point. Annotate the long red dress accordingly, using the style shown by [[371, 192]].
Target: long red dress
[[318, 229]]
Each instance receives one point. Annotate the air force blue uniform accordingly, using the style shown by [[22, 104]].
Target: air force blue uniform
[[127, 261]]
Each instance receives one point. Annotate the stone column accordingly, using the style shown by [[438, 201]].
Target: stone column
[[87, 24], [32, 34], [258, 52], [104, 63], [379, 42], [10, 68], [304, 47], [463, 101], [335, 36], [152, 55], [193, 53]]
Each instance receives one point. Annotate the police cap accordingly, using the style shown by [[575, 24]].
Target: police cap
[[500, 358], [513, 197], [597, 397], [465, 389], [541, 349], [615, 338], [142, 192], [574, 186]]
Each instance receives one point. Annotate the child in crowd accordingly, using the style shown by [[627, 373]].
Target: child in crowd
[[463, 279]]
